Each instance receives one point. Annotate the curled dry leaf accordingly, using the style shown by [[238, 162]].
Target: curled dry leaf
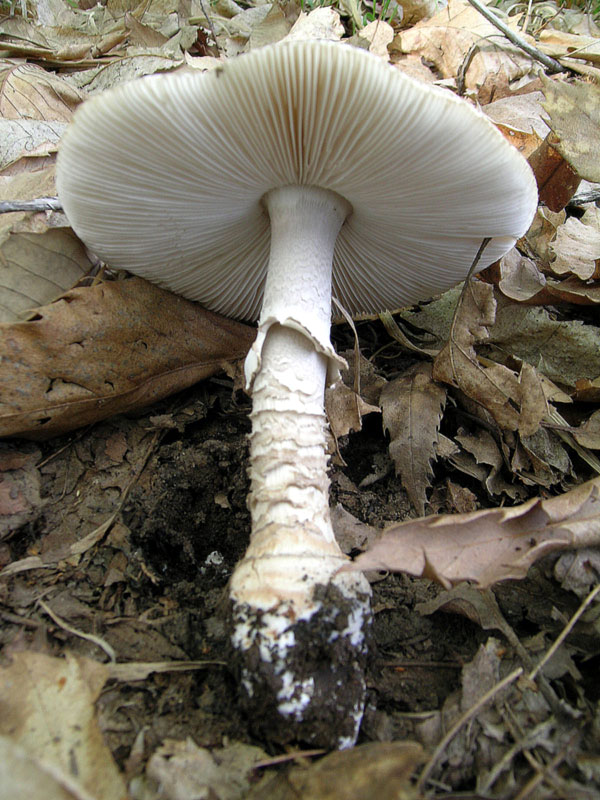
[[520, 278], [413, 11], [541, 232], [104, 350], [489, 545], [412, 407]]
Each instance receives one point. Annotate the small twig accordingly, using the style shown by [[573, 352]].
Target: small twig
[[585, 196], [550, 63], [565, 632], [462, 720], [87, 636], [39, 204], [545, 772], [282, 759], [210, 25]]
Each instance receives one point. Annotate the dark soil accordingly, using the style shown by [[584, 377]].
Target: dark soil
[[154, 586]]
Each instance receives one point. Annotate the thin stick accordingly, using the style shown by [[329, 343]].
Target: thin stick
[[462, 720], [40, 204], [565, 632], [210, 25], [550, 63], [76, 632]]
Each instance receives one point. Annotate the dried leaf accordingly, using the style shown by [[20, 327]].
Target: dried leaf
[[412, 408], [274, 27], [491, 385], [105, 350], [521, 112], [489, 545], [36, 268], [484, 449], [558, 44], [542, 231], [572, 290], [565, 351], [448, 38], [184, 770], [321, 23], [345, 409], [22, 775], [30, 138], [556, 179], [481, 607], [30, 92], [376, 769], [128, 68], [588, 433], [350, 533], [48, 709], [548, 458], [520, 278], [379, 35], [574, 110], [414, 11], [577, 246], [20, 38]]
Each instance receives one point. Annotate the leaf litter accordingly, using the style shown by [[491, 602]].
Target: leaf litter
[[119, 538]]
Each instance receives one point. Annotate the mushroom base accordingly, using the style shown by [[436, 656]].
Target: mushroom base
[[303, 680]]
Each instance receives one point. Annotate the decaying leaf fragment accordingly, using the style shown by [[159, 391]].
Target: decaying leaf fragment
[[412, 408], [577, 245], [489, 545], [574, 111], [48, 710], [375, 769], [458, 30], [184, 770], [29, 92], [104, 350], [517, 402]]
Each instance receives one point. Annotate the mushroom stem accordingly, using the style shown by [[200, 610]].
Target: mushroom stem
[[299, 627]]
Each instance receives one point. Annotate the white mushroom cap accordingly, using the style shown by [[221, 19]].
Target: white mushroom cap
[[164, 176]]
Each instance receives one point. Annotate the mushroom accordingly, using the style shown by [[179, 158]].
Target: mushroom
[[255, 189]]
